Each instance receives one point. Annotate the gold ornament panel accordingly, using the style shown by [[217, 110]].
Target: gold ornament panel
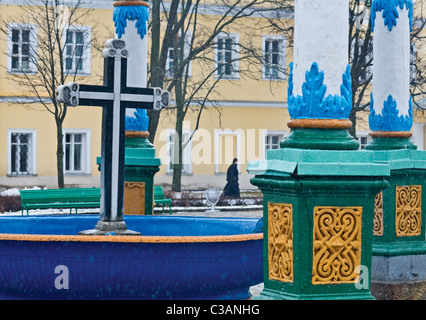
[[378, 215], [408, 212], [336, 244], [280, 242]]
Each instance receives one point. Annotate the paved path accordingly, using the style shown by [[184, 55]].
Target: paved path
[[218, 214]]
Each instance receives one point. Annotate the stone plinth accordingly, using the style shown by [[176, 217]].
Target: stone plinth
[[318, 221]]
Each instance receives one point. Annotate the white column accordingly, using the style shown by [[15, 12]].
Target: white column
[[321, 36], [137, 62], [391, 66]]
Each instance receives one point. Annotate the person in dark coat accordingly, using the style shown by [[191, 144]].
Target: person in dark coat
[[232, 189]]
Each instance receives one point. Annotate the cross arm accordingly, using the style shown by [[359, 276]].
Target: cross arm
[[74, 94]]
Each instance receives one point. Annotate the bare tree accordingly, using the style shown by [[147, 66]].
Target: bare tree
[[193, 41], [51, 49]]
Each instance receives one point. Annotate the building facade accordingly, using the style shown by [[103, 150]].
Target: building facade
[[246, 115]]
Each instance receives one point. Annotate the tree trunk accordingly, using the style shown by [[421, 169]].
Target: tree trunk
[[177, 166], [352, 118], [60, 154]]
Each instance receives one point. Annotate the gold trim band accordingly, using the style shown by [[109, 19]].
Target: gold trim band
[[131, 239], [136, 134], [390, 134], [130, 3], [319, 124]]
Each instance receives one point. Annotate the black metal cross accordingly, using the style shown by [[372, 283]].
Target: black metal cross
[[114, 97]]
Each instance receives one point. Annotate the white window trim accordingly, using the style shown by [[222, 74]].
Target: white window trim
[[188, 39], [235, 56], [283, 46], [33, 47], [169, 132], [33, 151], [86, 149], [87, 30], [266, 133], [217, 134], [363, 134]]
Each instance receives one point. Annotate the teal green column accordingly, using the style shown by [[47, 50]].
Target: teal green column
[[141, 165], [318, 221], [319, 189], [399, 247]]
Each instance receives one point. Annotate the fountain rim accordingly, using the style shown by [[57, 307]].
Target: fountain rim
[[130, 239]]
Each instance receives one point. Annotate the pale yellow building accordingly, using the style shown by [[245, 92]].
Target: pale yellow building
[[248, 116]]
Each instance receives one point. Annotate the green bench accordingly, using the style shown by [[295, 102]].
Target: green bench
[[60, 198], [160, 199]]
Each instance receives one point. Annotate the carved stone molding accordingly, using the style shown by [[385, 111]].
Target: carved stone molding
[[336, 244], [408, 212], [134, 198], [378, 215], [280, 242]]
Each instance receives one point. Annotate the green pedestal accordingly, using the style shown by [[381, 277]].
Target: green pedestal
[[140, 167], [399, 246], [318, 221]]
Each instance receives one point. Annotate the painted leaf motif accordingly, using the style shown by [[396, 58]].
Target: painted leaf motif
[[390, 120], [390, 12], [131, 13]]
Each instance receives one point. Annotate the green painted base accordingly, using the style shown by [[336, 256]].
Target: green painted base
[[399, 248], [390, 144], [138, 143], [320, 139], [270, 294]]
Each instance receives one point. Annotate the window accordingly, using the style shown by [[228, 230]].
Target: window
[[171, 56], [363, 139], [226, 56], [77, 50], [227, 146], [273, 141], [173, 151], [21, 146], [22, 47], [273, 57], [76, 152]]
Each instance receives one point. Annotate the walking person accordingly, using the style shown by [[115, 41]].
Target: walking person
[[232, 188]]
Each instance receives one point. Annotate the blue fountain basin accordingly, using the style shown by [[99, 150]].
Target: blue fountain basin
[[175, 258]]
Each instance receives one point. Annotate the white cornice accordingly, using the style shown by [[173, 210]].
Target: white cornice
[[207, 9], [219, 103]]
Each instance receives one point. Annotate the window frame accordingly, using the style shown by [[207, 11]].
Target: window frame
[[270, 133], [218, 133], [235, 55], [170, 71], [363, 134], [32, 55], [85, 150], [186, 167], [282, 54], [32, 152], [86, 54]]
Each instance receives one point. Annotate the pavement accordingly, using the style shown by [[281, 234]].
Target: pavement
[[219, 213]]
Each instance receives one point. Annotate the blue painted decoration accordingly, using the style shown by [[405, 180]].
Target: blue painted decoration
[[123, 13], [313, 104], [139, 122], [390, 120], [390, 13]]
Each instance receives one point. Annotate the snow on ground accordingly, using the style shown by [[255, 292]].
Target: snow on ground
[[15, 191]]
